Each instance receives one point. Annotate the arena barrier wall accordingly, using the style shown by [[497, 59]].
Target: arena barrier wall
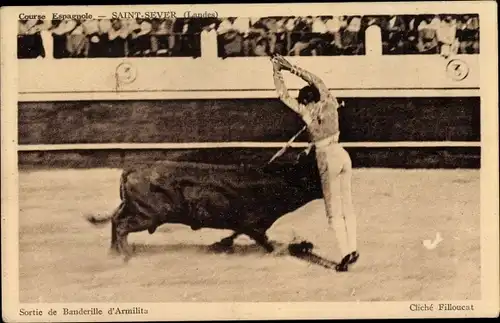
[[395, 132], [400, 111]]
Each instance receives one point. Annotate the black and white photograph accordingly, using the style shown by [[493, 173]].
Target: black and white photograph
[[250, 161]]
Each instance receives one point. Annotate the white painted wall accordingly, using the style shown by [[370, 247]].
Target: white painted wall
[[90, 78]]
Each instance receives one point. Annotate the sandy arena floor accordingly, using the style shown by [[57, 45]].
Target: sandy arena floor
[[65, 259]]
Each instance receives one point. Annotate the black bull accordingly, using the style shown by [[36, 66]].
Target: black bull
[[243, 198]]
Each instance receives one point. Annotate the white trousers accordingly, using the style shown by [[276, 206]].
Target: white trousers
[[335, 167]]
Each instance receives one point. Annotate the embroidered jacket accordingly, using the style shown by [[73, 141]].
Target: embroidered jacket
[[320, 117]]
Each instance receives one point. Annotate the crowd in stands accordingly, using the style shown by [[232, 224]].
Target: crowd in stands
[[291, 36], [110, 38], [243, 37], [431, 34]]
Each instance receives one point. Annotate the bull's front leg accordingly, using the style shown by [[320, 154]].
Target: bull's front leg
[[225, 244]]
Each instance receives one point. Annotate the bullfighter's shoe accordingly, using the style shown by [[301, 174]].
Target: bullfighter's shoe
[[344, 264], [354, 257], [347, 260], [301, 248]]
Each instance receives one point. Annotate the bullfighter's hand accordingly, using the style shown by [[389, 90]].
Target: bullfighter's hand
[[286, 65], [276, 64], [304, 153]]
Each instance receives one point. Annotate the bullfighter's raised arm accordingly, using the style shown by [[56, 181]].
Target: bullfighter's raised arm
[[282, 90]]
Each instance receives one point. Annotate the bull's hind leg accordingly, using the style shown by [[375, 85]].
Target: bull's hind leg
[[118, 214], [122, 241], [114, 249], [127, 223]]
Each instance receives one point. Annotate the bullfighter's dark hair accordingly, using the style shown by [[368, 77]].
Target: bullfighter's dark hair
[[308, 94]]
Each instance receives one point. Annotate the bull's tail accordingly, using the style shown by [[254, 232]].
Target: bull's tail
[[99, 220]]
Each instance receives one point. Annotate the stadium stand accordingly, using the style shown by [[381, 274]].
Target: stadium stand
[[243, 37]]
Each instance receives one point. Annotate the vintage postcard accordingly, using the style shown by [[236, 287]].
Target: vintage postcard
[[250, 161]]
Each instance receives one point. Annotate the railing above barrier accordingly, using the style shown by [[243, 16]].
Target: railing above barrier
[[219, 145]]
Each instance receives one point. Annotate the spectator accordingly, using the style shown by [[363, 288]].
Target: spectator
[[77, 42], [261, 46], [289, 29], [319, 26], [468, 34], [300, 46], [257, 33], [60, 33], [229, 38], [134, 28], [104, 26], [308, 21], [395, 32], [241, 25], [225, 26], [116, 42], [93, 35], [164, 35], [350, 36], [29, 40], [210, 24], [302, 27], [427, 38], [319, 39], [140, 41], [280, 42], [190, 37], [411, 36], [446, 36], [269, 37], [334, 26]]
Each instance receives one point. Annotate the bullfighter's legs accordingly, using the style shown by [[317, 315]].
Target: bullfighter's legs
[[335, 167], [348, 208]]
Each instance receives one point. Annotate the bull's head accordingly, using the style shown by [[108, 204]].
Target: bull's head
[[302, 174]]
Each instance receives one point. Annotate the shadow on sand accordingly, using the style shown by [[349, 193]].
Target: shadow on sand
[[281, 249], [236, 249]]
